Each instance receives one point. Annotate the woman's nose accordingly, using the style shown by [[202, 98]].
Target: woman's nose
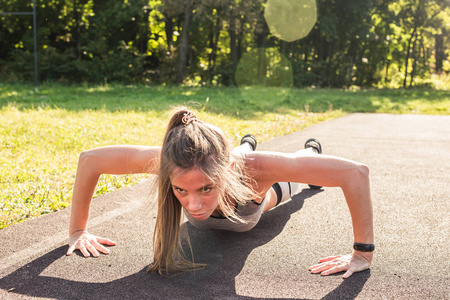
[[195, 203]]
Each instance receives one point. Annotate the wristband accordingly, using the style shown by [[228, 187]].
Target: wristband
[[363, 247]]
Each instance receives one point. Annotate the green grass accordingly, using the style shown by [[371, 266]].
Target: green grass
[[43, 134]]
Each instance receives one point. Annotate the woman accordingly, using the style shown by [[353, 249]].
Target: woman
[[222, 188]]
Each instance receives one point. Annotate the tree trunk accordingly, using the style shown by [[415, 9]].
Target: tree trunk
[[240, 37], [169, 29], [261, 39], [261, 75], [408, 50], [283, 48], [261, 42], [143, 41], [414, 61], [217, 30], [440, 52], [386, 72], [210, 56], [184, 47], [413, 36], [76, 31], [232, 33]]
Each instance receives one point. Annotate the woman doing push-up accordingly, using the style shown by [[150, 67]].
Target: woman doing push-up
[[200, 175]]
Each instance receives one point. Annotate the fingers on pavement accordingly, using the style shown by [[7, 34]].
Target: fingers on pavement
[[100, 248], [329, 258], [106, 241], [70, 250]]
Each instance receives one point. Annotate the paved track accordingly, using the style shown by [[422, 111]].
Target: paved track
[[409, 158]]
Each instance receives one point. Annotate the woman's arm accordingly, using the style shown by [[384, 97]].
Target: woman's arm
[[91, 164], [330, 171]]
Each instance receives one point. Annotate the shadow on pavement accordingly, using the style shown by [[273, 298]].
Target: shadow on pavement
[[350, 287], [224, 252]]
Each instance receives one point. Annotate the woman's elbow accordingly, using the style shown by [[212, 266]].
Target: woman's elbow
[[357, 175], [361, 174], [363, 170], [88, 161], [85, 156]]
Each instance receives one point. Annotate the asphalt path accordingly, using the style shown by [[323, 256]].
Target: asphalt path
[[409, 161]]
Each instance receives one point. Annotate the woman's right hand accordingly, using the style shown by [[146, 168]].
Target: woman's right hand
[[88, 244]]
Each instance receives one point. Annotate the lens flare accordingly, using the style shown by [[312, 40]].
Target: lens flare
[[262, 69], [290, 20]]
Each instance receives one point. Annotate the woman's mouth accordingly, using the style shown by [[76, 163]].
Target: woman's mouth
[[200, 216]]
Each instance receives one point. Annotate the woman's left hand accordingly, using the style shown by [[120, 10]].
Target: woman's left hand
[[355, 262]]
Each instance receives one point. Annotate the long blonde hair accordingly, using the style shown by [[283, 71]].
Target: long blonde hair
[[191, 143]]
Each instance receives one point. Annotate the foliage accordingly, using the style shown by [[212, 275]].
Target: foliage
[[365, 43]]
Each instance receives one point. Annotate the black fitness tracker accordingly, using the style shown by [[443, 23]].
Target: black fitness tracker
[[363, 247]]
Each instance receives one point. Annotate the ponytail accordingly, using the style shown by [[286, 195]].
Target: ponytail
[[181, 116]]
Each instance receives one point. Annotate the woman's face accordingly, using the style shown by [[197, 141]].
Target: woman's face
[[196, 193]]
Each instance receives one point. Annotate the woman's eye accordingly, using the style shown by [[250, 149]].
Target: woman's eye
[[206, 189]]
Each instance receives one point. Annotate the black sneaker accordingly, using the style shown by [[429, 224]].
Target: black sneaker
[[313, 143], [248, 138]]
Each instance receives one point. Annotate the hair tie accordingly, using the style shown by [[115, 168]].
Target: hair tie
[[188, 118]]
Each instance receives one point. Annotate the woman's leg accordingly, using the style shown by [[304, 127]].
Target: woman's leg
[[314, 145], [248, 144], [282, 191]]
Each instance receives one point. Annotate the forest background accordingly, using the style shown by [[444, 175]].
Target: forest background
[[396, 43]]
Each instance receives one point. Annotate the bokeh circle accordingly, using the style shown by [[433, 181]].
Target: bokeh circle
[[264, 70], [290, 20]]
